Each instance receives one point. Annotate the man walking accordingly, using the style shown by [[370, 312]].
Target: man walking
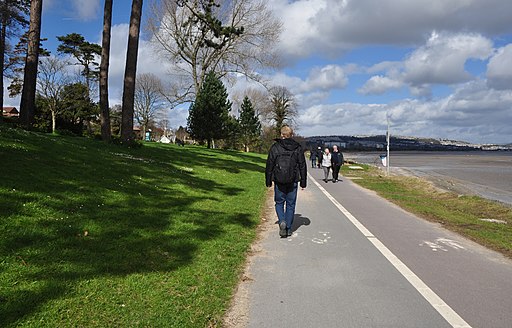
[[337, 162], [312, 156], [286, 167]]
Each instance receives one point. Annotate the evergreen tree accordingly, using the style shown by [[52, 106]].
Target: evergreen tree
[[250, 126], [209, 114], [84, 52]]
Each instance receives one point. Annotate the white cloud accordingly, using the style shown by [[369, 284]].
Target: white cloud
[[326, 78], [473, 113], [442, 59], [86, 9], [332, 27], [320, 79], [499, 70], [379, 85], [83, 10]]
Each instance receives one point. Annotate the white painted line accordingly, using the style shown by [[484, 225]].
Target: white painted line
[[437, 303]]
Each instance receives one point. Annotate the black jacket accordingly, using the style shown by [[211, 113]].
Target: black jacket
[[336, 158], [279, 147]]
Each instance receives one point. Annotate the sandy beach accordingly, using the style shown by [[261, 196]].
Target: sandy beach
[[486, 174]]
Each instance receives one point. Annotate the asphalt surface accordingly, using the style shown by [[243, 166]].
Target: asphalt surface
[[355, 260]]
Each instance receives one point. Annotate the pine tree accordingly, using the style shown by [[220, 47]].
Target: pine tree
[[250, 126], [209, 114]]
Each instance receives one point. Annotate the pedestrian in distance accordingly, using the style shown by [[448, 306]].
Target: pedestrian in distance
[[286, 168], [312, 157], [337, 162], [319, 154], [326, 163]]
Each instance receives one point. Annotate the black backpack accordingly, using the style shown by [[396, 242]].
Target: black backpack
[[285, 169]]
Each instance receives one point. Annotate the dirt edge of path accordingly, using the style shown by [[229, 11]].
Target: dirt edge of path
[[237, 315]]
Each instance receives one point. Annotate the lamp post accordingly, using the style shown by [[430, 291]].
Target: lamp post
[[387, 146]]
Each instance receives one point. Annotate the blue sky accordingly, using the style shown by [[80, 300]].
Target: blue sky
[[437, 68]]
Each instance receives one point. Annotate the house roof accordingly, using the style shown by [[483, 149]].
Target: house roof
[[10, 110]]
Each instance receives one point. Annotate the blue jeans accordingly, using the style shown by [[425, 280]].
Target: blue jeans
[[288, 196]]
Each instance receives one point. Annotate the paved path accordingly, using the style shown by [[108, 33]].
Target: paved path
[[356, 260]]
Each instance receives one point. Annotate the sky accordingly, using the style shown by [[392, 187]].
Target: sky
[[432, 68]]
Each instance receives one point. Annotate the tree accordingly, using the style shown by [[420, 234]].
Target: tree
[[75, 107], [12, 16], [28, 95], [127, 135], [16, 64], [116, 119], [182, 133], [209, 114], [200, 36], [148, 100], [84, 52], [250, 126], [104, 65], [50, 84], [282, 109]]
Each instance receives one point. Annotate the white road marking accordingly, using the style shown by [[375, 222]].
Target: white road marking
[[437, 303], [440, 243]]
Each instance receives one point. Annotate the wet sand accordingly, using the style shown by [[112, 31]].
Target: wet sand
[[486, 174]]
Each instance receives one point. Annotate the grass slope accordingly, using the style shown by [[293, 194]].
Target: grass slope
[[99, 235]]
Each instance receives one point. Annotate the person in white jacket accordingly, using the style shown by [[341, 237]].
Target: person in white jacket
[[326, 163]]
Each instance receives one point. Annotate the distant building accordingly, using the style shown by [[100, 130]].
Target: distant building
[[10, 112], [164, 139]]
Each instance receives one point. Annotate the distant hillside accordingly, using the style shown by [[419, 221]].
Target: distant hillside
[[378, 142]]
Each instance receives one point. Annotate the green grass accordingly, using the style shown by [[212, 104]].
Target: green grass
[[96, 235], [459, 213]]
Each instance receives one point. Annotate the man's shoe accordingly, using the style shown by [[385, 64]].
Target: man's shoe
[[282, 229], [289, 232]]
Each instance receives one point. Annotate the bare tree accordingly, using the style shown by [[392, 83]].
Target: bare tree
[[52, 80], [148, 100], [260, 100], [186, 45], [130, 72], [105, 59], [28, 95], [282, 109]]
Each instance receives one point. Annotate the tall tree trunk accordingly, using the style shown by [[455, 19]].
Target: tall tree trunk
[[54, 120], [105, 59], [28, 95], [127, 135], [3, 32]]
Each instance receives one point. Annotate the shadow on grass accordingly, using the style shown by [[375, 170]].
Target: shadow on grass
[[80, 210]]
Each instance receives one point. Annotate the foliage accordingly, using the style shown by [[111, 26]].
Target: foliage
[[250, 126], [209, 114], [13, 15], [232, 139], [17, 62], [97, 235], [213, 33], [84, 52], [76, 107], [199, 36]]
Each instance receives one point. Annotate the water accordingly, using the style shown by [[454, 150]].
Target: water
[[487, 174]]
